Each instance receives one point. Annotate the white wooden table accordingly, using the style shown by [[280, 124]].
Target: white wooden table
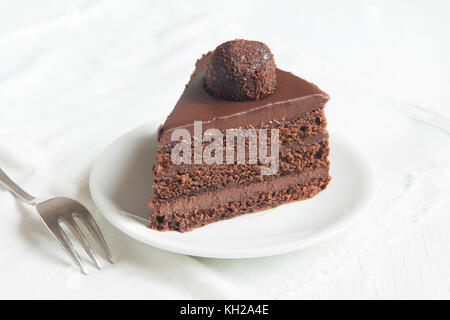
[[75, 76]]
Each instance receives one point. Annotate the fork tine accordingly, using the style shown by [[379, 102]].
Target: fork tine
[[71, 223], [64, 241], [90, 223]]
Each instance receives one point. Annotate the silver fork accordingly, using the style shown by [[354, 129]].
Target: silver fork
[[55, 211]]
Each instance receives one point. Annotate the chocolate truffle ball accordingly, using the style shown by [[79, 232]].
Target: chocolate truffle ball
[[241, 70]]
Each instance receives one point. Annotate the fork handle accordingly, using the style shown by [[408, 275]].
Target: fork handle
[[14, 188]]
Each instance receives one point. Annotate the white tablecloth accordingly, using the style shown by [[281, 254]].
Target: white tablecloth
[[73, 77]]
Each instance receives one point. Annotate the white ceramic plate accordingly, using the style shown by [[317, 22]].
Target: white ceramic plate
[[121, 181]]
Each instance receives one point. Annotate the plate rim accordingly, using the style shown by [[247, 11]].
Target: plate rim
[[171, 245]]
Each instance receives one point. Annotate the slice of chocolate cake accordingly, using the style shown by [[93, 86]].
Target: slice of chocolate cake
[[209, 167]]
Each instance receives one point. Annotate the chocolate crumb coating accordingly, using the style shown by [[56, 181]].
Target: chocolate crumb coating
[[241, 70]]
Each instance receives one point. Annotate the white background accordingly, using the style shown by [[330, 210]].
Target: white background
[[75, 75]]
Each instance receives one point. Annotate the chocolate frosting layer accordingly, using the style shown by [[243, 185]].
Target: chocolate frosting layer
[[293, 98]]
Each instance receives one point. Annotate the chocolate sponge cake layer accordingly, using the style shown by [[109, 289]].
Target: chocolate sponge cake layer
[[194, 179], [307, 129], [195, 211]]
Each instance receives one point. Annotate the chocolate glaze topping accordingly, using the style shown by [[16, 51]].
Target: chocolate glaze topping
[[241, 70], [293, 98]]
